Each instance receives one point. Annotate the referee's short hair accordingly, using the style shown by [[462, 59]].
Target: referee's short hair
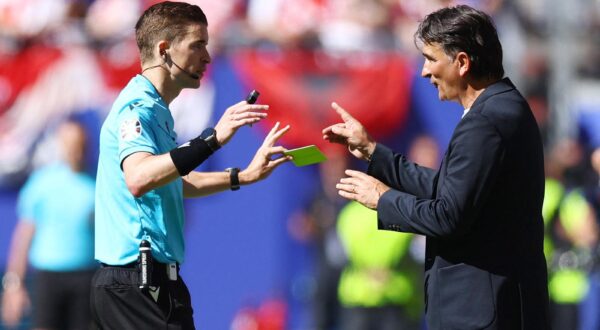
[[465, 29], [165, 21]]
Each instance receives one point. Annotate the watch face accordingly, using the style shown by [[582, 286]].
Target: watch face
[[209, 135], [209, 132]]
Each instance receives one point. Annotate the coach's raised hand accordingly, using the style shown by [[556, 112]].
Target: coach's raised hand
[[350, 133]]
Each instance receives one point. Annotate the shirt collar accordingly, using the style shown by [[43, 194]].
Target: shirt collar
[[465, 112], [150, 89]]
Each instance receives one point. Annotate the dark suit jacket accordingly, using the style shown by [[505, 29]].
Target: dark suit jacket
[[481, 213]]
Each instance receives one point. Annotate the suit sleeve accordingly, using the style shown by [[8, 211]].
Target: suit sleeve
[[401, 174], [476, 153]]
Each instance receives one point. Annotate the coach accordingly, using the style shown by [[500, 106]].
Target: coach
[[481, 210]]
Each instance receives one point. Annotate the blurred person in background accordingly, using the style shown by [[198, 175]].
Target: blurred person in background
[[380, 287], [482, 211], [570, 232], [316, 224], [143, 175], [570, 213], [377, 287], [55, 235], [589, 318], [330, 256]]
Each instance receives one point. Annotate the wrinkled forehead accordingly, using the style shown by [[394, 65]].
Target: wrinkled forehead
[[433, 50]]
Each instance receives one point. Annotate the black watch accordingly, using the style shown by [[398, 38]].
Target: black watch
[[209, 136], [234, 180]]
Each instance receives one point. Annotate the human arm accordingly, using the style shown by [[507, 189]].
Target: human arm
[[197, 184], [473, 166], [145, 171], [396, 171], [392, 169], [15, 300]]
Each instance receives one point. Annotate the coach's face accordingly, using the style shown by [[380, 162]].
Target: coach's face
[[191, 54], [443, 71]]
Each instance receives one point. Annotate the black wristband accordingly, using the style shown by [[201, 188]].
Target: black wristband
[[189, 155]]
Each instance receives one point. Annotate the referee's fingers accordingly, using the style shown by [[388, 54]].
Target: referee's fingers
[[248, 121], [235, 106], [275, 150], [250, 107], [276, 162], [273, 130], [271, 133], [249, 115], [274, 135]]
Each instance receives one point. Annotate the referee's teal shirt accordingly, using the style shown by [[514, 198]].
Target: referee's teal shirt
[[139, 121]]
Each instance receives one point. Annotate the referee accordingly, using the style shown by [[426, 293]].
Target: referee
[[143, 175]]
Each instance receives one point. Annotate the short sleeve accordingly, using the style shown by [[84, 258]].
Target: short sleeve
[[136, 131], [28, 202]]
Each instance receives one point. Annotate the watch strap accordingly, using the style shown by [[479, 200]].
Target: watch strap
[[234, 180]]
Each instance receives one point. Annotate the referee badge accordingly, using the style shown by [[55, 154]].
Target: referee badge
[[130, 129]]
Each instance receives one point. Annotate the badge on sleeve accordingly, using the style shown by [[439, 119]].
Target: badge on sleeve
[[130, 129]]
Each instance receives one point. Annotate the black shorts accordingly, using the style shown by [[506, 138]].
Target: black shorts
[[60, 300], [118, 303]]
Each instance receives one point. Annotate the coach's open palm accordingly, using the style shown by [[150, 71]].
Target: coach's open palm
[[263, 164]]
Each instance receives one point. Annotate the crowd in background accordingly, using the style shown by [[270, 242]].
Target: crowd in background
[[66, 58]]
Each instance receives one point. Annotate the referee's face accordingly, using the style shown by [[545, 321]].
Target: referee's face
[[192, 57]]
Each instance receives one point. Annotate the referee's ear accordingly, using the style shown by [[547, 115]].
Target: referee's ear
[[162, 48]]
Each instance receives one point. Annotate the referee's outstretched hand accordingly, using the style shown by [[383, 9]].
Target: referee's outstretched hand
[[263, 163], [236, 116]]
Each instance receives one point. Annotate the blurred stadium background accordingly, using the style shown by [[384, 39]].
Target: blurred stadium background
[[251, 254]]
